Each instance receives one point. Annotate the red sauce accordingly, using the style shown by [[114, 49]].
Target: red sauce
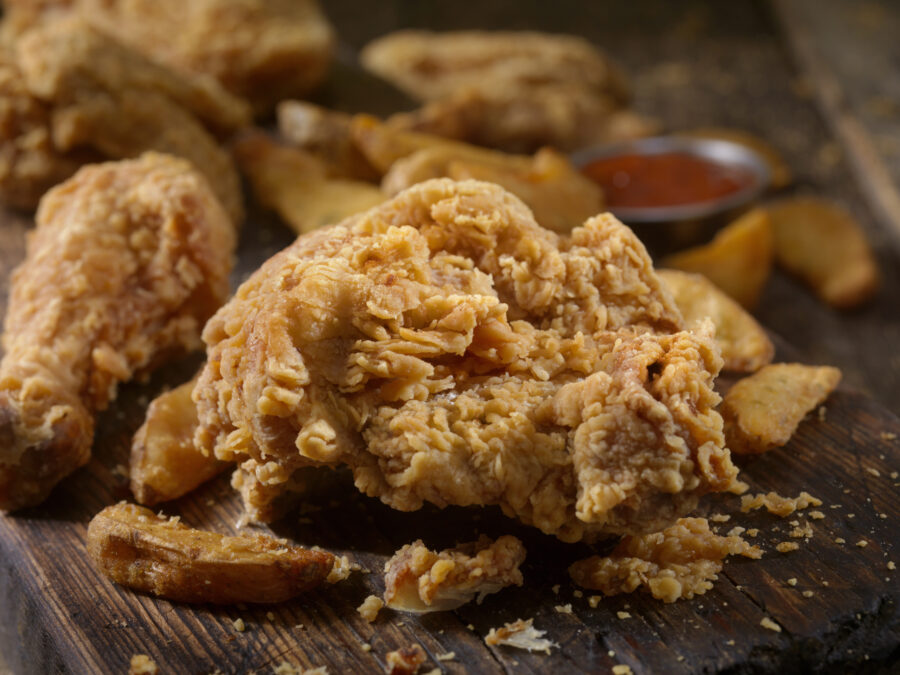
[[670, 179]]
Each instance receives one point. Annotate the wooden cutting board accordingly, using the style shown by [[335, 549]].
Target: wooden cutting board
[[57, 614]]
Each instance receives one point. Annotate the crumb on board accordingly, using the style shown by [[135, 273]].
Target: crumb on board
[[366, 647], [891, 565], [555, 589], [239, 625], [623, 615], [840, 540], [370, 607], [595, 600], [804, 532], [873, 471], [141, 664], [564, 609], [736, 531], [449, 656], [622, 669], [720, 517], [816, 515], [792, 581], [286, 668], [752, 532], [888, 436], [768, 624], [862, 543], [807, 594], [341, 570], [578, 594], [405, 661], [778, 505], [520, 634]]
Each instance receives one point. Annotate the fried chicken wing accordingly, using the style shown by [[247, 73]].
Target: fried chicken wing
[[75, 95], [516, 91], [448, 349], [126, 263]]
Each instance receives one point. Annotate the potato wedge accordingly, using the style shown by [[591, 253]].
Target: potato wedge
[[822, 244], [738, 259], [745, 345], [781, 174], [164, 463], [763, 410], [294, 184], [141, 550]]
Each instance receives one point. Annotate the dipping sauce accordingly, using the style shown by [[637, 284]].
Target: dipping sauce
[[665, 179]]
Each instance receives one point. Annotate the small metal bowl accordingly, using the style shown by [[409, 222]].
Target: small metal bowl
[[724, 153]]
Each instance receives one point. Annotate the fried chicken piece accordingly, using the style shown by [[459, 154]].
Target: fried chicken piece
[[104, 97], [517, 91], [261, 50], [417, 579], [164, 463], [680, 562], [141, 550], [126, 263], [448, 349]]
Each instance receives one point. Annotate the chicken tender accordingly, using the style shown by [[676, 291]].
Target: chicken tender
[[126, 263], [680, 562], [762, 411], [417, 579], [517, 91], [141, 550], [448, 349], [744, 343], [260, 50]]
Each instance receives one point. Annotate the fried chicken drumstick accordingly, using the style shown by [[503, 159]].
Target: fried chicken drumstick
[[449, 350], [126, 263]]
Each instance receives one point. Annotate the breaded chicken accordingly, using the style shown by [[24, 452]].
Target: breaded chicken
[[449, 350], [516, 91], [261, 50], [75, 92], [126, 263]]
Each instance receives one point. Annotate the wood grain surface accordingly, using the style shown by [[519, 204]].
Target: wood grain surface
[[694, 64]]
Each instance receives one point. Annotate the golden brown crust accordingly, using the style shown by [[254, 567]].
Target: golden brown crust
[[450, 350], [126, 263], [763, 410], [149, 553], [417, 579], [679, 562]]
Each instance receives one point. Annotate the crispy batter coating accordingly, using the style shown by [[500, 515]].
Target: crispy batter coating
[[745, 345], [164, 463], [448, 349], [417, 579], [560, 197], [126, 263], [149, 553], [261, 50], [763, 411], [680, 562], [517, 91], [520, 634], [738, 259], [823, 245]]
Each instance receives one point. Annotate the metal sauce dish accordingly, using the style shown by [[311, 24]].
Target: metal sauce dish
[[722, 153]]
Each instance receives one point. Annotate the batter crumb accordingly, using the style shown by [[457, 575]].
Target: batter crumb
[[623, 615], [370, 607], [404, 661], [141, 664], [807, 594], [862, 543], [778, 505], [622, 669], [564, 609], [816, 515], [239, 625], [767, 623], [520, 634], [787, 546], [792, 581]]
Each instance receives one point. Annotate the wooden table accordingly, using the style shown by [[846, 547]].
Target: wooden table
[[746, 64]]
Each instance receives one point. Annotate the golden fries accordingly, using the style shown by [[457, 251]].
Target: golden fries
[[165, 464], [136, 548], [781, 175], [821, 243], [745, 345], [738, 259], [762, 411], [294, 184]]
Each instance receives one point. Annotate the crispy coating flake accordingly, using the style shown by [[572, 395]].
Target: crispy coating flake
[[126, 263], [370, 607], [520, 634], [164, 463], [108, 98], [405, 661], [417, 579], [448, 349], [776, 504], [745, 345], [763, 410], [680, 562], [738, 259], [517, 91], [149, 553], [295, 185], [823, 245], [141, 664]]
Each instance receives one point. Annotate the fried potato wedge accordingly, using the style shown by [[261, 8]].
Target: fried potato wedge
[[141, 550], [822, 244], [738, 259], [294, 184], [779, 170], [763, 410], [745, 346], [560, 197], [164, 462]]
